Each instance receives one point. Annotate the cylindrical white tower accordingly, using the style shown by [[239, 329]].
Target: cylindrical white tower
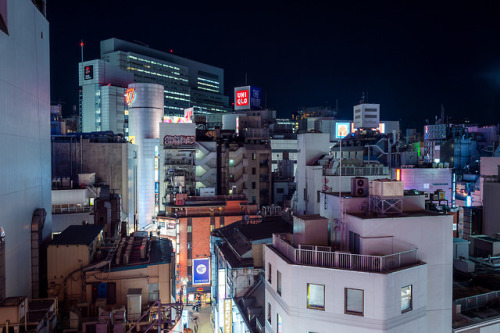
[[145, 103]]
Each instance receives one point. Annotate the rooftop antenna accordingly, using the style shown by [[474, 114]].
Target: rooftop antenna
[[362, 101]]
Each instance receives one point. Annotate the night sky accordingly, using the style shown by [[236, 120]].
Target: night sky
[[409, 58]]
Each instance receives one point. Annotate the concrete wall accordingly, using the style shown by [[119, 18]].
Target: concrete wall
[[491, 208], [382, 299], [433, 237], [25, 180]]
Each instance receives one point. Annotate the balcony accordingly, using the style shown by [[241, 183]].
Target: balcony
[[323, 256], [357, 171]]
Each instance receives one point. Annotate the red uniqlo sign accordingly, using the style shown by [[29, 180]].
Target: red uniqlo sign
[[242, 98]]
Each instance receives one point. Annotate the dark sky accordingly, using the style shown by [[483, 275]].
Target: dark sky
[[408, 56]]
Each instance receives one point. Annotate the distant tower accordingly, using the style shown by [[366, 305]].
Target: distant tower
[[145, 102]]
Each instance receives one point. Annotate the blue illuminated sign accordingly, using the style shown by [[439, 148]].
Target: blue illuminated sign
[[157, 187], [201, 271]]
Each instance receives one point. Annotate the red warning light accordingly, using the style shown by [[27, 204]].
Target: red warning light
[[171, 51], [81, 44]]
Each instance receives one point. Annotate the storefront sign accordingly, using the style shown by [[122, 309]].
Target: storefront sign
[[178, 140], [130, 96], [228, 315], [201, 271]]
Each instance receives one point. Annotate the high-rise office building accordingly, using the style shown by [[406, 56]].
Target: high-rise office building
[[102, 102], [187, 83], [25, 136]]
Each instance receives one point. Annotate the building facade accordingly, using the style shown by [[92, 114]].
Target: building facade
[[187, 83], [25, 133]]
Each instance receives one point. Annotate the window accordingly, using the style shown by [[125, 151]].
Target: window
[[279, 324], [315, 296], [269, 313], [253, 185], [406, 304], [269, 273], [354, 301], [254, 156], [254, 171], [280, 190], [278, 282], [189, 228]]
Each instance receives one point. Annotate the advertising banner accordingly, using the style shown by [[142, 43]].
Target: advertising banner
[[228, 315], [201, 271]]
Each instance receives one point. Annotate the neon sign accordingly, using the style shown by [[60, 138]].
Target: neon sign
[[130, 96], [242, 98], [342, 130], [178, 140]]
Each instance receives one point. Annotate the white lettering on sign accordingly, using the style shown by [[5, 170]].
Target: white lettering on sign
[[177, 140], [242, 97]]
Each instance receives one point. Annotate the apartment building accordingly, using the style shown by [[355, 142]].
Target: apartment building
[[391, 273]]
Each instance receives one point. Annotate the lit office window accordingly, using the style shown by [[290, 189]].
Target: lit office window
[[279, 324], [354, 301], [406, 304], [315, 296]]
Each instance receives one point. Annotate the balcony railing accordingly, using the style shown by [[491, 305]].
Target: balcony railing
[[323, 257], [357, 171], [477, 301], [71, 208]]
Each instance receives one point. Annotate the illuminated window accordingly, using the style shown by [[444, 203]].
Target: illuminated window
[[254, 156], [354, 301], [406, 303], [279, 324], [315, 296], [189, 228]]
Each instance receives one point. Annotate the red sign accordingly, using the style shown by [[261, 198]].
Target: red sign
[[129, 96], [242, 98]]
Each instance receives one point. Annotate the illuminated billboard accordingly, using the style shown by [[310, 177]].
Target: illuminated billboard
[[129, 96], [247, 98], [341, 130], [201, 271], [89, 72]]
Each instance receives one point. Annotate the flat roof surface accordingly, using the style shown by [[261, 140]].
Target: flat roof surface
[[311, 217], [78, 235]]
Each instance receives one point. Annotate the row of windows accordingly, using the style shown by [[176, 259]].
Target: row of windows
[[154, 62], [175, 93], [353, 298], [207, 89], [207, 80], [157, 74]]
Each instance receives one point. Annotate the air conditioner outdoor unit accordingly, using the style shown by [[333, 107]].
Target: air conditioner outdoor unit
[[359, 187]]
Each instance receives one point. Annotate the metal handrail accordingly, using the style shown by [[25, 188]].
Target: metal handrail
[[345, 260]]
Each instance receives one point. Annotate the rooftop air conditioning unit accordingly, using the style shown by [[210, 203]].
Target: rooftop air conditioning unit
[[359, 187]]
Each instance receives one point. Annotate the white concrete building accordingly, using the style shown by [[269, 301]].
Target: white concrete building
[[396, 276], [146, 114], [25, 135], [102, 93]]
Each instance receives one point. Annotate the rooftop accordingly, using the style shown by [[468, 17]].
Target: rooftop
[[78, 235], [323, 256], [373, 215]]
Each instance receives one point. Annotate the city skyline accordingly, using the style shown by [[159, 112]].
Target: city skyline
[[409, 59]]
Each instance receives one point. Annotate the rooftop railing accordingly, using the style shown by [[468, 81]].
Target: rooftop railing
[[321, 256], [477, 301]]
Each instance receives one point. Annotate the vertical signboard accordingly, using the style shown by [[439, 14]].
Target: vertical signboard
[[201, 271], [88, 72], [157, 186], [228, 315]]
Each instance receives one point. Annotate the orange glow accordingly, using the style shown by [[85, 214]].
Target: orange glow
[[398, 174]]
